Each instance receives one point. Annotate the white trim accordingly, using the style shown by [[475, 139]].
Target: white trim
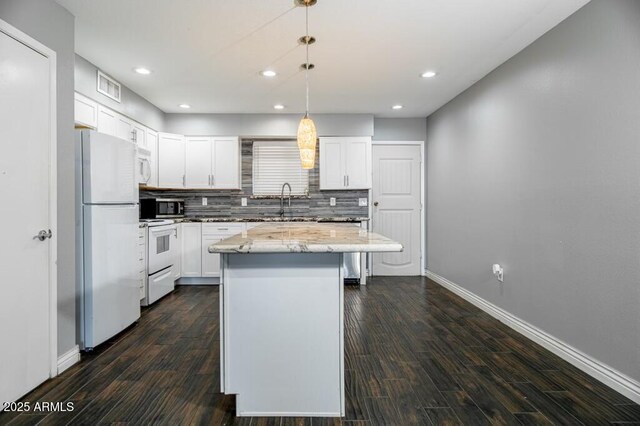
[[66, 360], [598, 370], [30, 42], [423, 210], [287, 414]]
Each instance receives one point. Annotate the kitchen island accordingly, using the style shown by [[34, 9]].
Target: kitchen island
[[281, 316]]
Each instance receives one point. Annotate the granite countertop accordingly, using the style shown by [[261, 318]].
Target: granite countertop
[[272, 219], [305, 238]]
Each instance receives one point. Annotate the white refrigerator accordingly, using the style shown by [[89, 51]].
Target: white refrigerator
[[109, 296]]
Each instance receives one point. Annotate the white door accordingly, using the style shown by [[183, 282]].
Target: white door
[[198, 162], [171, 161], [226, 163], [358, 163], [332, 164], [397, 189], [24, 181]]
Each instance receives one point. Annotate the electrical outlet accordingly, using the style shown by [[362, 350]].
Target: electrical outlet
[[243, 201], [498, 271], [332, 201], [363, 202], [204, 201]]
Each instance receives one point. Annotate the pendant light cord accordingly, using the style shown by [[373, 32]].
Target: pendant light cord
[[307, 63]]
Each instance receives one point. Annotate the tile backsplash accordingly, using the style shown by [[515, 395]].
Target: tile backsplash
[[224, 203]]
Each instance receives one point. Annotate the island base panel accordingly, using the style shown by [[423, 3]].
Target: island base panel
[[282, 333]]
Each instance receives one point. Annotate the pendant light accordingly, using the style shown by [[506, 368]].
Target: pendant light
[[307, 135]]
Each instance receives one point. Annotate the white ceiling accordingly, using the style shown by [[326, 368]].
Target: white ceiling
[[369, 54]]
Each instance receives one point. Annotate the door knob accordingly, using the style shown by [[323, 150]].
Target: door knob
[[43, 235], [375, 203]]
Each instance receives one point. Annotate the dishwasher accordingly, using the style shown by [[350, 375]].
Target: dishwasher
[[351, 268]]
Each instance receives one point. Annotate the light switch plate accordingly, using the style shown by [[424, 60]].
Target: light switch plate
[[204, 201], [243, 201], [363, 202], [332, 201]]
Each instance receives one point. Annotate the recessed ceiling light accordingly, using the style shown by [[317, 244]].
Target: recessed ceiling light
[[278, 106], [429, 74], [185, 106], [396, 107], [142, 70], [268, 73]]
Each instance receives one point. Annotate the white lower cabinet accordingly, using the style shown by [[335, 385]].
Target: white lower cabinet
[[177, 254], [191, 249], [142, 262], [197, 262], [210, 261]]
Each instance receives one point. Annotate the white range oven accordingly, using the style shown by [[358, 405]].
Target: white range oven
[[163, 236]]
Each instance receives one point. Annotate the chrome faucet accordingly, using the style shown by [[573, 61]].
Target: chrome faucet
[[282, 198]]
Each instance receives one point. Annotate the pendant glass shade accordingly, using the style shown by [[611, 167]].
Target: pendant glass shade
[[307, 137]]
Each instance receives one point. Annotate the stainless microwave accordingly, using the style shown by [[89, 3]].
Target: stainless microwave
[[161, 208]]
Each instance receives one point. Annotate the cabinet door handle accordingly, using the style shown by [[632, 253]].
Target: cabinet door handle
[[184, 180], [344, 180], [347, 180], [213, 180]]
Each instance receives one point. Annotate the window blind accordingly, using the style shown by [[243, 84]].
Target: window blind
[[277, 162]]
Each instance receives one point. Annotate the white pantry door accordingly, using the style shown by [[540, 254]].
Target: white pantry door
[[24, 187], [396, 196]]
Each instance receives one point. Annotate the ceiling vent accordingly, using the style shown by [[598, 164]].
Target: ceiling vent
[[109, 87]]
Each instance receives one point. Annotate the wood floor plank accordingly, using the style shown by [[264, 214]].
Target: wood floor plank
[[546, 405], [443, 417], [415, 353]]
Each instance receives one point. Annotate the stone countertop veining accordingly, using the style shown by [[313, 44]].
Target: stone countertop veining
[[142, 225], [305, 238], [272, 219]]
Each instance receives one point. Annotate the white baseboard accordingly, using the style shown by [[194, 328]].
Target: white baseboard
[[198, 281], [69, 358], [614, 379]]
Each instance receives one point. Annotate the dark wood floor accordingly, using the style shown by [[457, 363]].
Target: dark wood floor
[[415, 354]]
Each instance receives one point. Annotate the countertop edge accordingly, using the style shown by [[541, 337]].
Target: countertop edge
[[307, 248]]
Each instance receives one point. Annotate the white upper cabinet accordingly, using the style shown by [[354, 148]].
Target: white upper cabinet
[[345, 163], [139, 135], [114, 124], [212, 162], [107, 121], [198, 162], [151, 140], [332, 161], [85, 111], [225, 172], [171, 161], [124, 128]]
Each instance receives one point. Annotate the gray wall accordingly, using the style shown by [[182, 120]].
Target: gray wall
[[399, 129], [537, 167], [132, 105], [52, 25], [267, 125]]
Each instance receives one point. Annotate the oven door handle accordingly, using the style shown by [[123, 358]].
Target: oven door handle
[[157, 234]]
